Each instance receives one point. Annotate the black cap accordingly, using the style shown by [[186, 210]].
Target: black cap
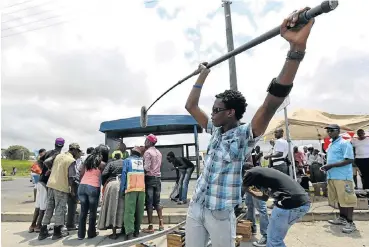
[[333, 126]]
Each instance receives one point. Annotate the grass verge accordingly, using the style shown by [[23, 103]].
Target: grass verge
[[23, 167]]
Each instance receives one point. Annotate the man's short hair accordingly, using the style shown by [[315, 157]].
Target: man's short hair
[[233, 99], [279, 130], [171, 154]]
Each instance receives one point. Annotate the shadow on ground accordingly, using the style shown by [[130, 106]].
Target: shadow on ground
[[337, 232], [71, 240]]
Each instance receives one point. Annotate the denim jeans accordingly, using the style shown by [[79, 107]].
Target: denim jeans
[[280, 221], [183, 182], [152, 190], [89, 198], [260, 205], [202, 223]]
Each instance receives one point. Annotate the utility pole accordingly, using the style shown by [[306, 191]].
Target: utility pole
[[229, 33]]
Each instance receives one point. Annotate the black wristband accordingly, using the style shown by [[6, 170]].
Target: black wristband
[[279, 90], [296, 55]]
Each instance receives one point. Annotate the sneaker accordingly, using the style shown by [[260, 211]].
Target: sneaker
[[338, 221], [261, 243], [349, 227]]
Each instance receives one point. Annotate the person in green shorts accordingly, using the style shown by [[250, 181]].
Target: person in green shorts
[[133, 185]]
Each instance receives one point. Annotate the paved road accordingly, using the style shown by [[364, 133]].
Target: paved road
[[314, 234], [16, 192], [19, 193], [17, 185]]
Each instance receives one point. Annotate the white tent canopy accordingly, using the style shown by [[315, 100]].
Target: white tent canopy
[[305, 124]]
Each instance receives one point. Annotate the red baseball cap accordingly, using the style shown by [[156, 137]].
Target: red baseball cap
[[152, 138]]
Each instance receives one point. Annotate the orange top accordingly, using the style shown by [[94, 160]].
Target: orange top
[[36, 168]]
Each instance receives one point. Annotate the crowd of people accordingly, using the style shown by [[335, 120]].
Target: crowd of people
[[221, 185], [125, 184], [336, 167]]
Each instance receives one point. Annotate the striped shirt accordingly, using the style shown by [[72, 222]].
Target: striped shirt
[[219, 186]]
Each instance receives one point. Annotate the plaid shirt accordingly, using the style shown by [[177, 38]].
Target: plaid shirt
[[219, 186]]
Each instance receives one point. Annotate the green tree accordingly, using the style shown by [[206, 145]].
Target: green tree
[[17, 152]]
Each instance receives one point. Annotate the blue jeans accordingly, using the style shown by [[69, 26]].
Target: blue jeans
[[183, 182], [260, 205], [89, 198], [35, 178], [280, 221]]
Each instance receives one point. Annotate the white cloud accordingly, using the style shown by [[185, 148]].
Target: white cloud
[[115, 56]]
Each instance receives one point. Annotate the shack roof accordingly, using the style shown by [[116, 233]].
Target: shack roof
[[157, 125]]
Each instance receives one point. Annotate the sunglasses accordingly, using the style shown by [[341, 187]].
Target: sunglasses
[[331, 130], [218, 109]]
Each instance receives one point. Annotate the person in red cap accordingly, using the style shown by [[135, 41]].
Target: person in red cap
[[152, 163]]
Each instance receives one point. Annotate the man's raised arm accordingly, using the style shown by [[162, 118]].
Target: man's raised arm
[[281, 86], [192, 104]]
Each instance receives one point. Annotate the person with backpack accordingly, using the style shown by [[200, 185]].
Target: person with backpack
[[41, 194], [57, 192]]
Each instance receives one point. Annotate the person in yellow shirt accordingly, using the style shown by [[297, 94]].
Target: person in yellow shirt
[[58, 190], [122, 150]]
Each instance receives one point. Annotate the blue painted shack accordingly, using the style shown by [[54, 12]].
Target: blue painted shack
[[158, 125]]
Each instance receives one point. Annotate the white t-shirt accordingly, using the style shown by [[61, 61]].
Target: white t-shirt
[[361, 148], [310, 159], [281, 145]]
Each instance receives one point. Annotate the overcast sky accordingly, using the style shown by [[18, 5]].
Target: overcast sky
[[111, 57]]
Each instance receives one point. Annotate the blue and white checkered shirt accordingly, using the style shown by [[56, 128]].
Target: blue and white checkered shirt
[[219, 186]]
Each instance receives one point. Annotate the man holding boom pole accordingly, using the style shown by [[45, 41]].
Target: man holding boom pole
[[218, 189]]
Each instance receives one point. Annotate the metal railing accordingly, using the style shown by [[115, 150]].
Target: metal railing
[[157, 235]]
